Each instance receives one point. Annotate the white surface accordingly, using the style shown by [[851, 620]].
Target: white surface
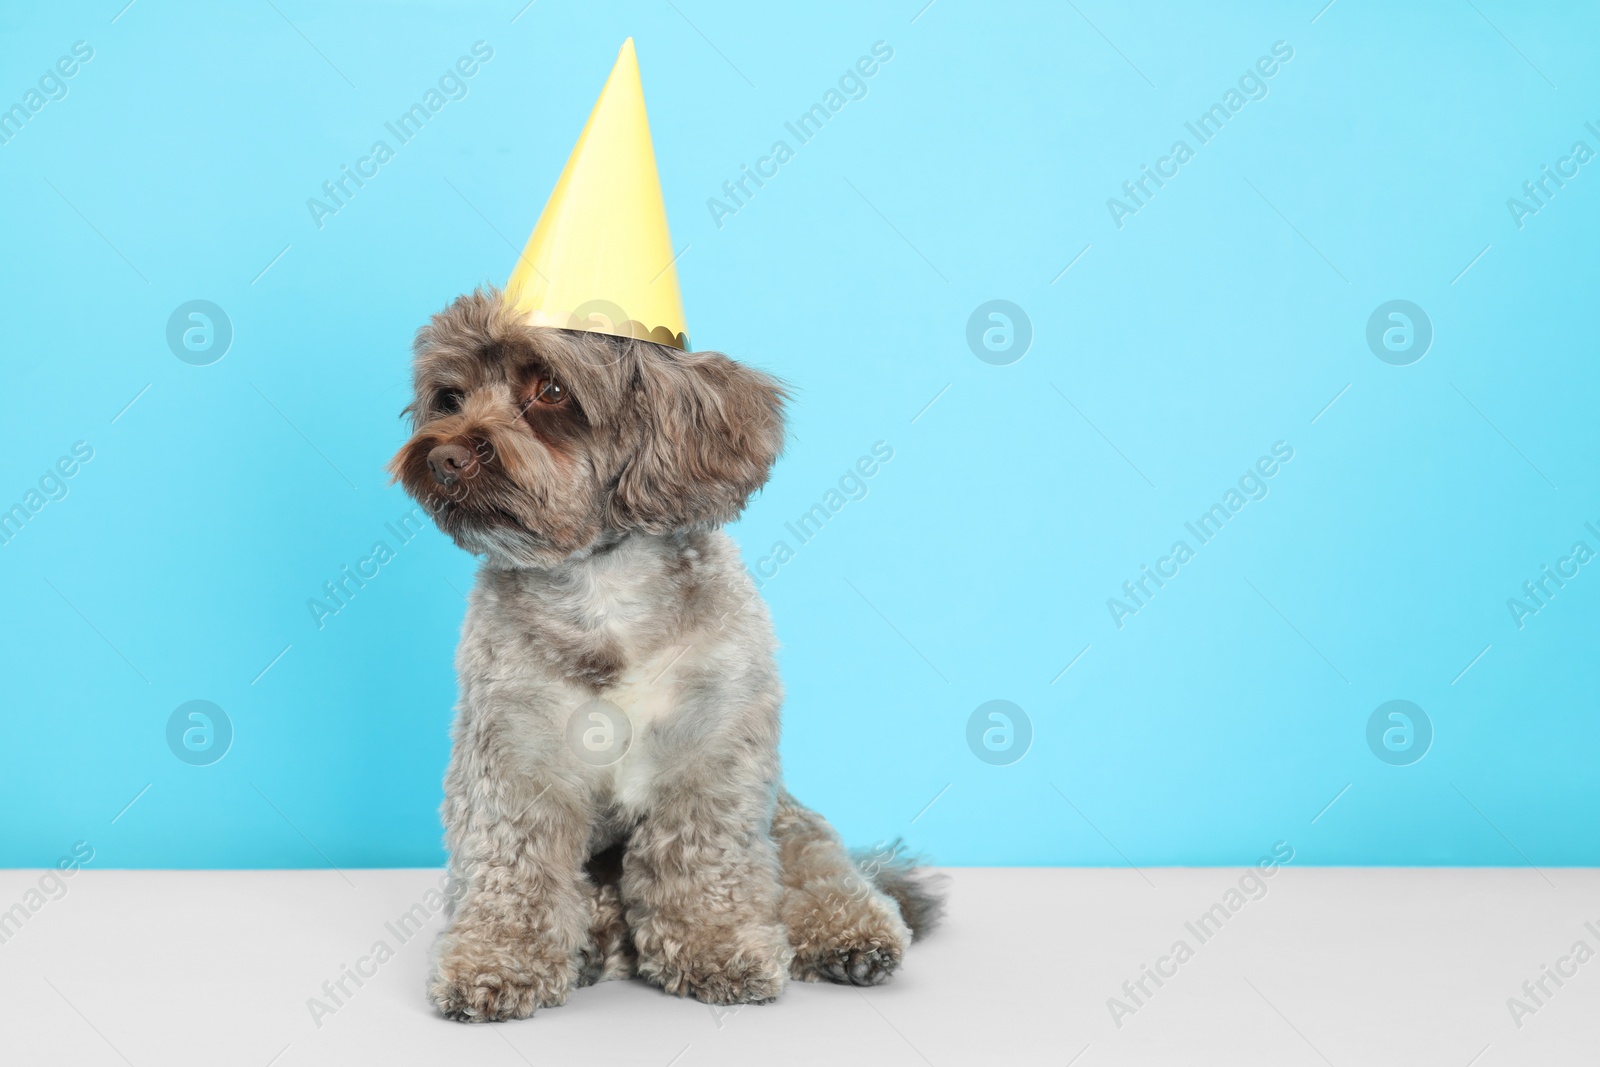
[[1330, 966]]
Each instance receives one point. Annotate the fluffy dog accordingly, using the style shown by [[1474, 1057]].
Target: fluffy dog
[[614, 804]]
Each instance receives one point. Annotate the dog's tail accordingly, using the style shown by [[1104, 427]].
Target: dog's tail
[[919, 892]]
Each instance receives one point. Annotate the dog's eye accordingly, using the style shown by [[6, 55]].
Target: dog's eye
[[447, 400], [549, 391]]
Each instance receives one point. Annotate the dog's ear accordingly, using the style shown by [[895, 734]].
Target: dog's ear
[[706, 431]]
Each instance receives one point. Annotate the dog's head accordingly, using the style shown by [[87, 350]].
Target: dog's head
[[530, 444]]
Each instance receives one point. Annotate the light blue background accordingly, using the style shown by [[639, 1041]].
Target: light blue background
[[1220, 319]]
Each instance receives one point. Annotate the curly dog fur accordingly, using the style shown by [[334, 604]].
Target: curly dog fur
[[614, 804]]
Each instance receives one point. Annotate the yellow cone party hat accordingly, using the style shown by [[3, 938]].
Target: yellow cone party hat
[[601, 258]]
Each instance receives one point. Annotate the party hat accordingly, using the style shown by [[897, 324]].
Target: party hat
[[601, 258]]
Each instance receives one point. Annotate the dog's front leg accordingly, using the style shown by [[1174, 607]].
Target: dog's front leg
[[518, 838], [701, 885]]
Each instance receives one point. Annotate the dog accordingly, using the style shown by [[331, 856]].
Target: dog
[[614, 804]]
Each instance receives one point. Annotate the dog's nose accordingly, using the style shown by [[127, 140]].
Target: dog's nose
[[448, 462]]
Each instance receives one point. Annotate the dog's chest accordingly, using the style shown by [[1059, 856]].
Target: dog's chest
[[627, 623]]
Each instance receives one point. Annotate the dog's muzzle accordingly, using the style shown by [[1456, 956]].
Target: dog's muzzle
[[449, 463]]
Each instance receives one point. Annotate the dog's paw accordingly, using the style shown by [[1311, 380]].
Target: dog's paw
[[608, 953], [848, 965], [732, 982], [487, 997], [486, 987], [716, 970], [845, 939]]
